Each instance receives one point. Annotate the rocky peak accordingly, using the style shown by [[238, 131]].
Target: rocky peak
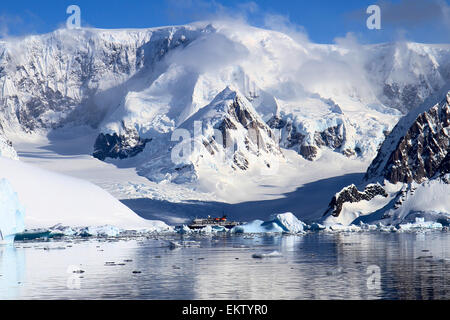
[[421, 152], [242, 130], [125, 145]]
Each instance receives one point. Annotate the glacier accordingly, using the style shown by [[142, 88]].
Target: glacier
[[12, 213]]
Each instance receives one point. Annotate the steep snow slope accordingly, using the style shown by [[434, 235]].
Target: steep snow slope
[[405, 74], [75, 76], [341, 113]]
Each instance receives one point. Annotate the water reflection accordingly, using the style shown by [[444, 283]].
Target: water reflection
[[314, 266], [12, 266]]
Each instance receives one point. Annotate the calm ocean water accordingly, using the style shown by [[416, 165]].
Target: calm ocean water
[[370, 265]]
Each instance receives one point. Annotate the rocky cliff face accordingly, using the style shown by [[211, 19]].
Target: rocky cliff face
[[332, 137], [421, 153], [415, 156], [114, 146]]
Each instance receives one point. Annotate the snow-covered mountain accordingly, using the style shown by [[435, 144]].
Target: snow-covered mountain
[[138, 84], [236, 98], [410, 177], [226, 134]]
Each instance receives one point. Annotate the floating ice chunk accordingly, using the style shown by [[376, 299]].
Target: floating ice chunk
[[273, 254], [174, 245], [206, 230], [420, 224], [33, 234], [12, 214], [183, 244], [342, 228], [289, 223], [184, 229], [60, 230], [212, 229], [103, 231]]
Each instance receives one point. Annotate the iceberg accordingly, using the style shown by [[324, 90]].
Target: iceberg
[[12, 214], [289, 223], [283, 222]]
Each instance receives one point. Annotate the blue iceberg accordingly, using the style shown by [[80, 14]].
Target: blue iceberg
[[12, 214], [283, 222]]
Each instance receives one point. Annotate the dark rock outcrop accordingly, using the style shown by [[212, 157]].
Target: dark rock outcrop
[[351, 194], [116, 146]]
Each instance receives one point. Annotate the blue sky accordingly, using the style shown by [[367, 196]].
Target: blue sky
[[322, 20]]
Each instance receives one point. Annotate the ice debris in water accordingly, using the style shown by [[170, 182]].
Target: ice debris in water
[[420, 224], [273, 254], [284, 222], [183, 244]]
